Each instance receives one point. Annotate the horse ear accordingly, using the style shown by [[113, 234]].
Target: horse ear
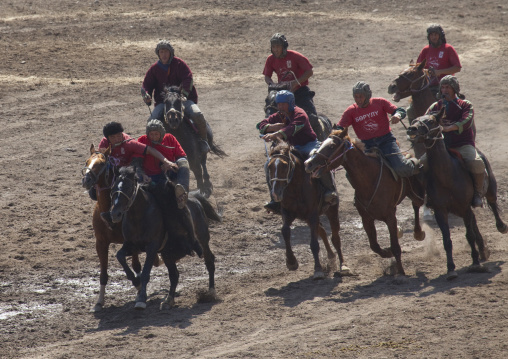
[[92, 149], [108, 151], [422, 64], [344, 132], [184, 98], [411, 63]]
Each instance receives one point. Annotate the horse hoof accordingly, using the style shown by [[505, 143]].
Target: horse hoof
[[344, 271], [168, 303], [452, 275], [484, 255], [140, 305], [400, 232], [503, 229], [419, 236], [292, 266], [97, 308], [318, 275], [206, 296]]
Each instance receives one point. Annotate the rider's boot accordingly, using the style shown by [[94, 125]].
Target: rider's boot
[[200, 123], [478, 180], [181, 196], [330, 195]]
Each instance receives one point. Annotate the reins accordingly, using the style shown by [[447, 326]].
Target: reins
[[129, 198]]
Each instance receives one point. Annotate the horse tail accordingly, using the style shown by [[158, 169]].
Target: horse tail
[[216, 150], [210, 212]]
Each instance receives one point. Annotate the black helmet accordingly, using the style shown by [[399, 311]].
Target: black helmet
[[112, 128], [437, 29], [362, 87], [279, 39], [156, 125], [165, 44]]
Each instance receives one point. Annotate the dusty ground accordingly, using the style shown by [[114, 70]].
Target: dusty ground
[[68, 67]]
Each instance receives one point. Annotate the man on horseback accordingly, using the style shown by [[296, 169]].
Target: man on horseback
[[442, 59], [179, 171], [369, 118], [173, 71], [293, 67], [125, 150], [291, 124], [459, 133]]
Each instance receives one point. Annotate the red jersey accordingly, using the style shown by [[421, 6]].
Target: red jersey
[[439, 58], [124, 151], [170, 149], [292, 62], [371, 121]]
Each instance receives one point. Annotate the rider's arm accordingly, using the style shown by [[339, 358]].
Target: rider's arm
[[268, 80], [398, 114]]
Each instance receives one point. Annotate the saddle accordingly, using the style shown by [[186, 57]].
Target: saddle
[[376, 153]]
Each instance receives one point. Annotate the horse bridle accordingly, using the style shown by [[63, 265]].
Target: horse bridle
[[335, 155], [439, 135], [130, 198], [423, 85], [95, 177], [291, 170], [172, 110]]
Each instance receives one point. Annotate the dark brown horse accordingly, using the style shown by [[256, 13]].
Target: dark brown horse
[[414, 81], [99, 172], [150, 222], [302, 197], [450, 189], [176, 123], [377, 192]]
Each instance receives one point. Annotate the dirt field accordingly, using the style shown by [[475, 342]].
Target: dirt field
[[69, 67]]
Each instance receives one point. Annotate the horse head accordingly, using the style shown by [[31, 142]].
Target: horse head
[[281, 167], [270, 104], [123, 193], [413, 79], [428, 127], [173, 106], [95, 170], [330, 154]]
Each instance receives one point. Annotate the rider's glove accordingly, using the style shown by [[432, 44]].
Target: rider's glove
[[146, 97]]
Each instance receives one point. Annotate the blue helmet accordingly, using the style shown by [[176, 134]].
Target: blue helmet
[[286, 96]]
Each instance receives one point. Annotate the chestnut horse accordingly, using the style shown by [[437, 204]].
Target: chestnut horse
[[377, 192], [302, 197], [450, 189], [99, 172], [150, 222], [176, 122], [414, 81]]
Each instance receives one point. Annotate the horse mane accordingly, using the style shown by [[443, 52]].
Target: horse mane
[[355, 142], [280, 147]]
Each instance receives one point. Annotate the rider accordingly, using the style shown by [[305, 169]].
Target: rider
[[442, 59], [369, 118], [459, 131], [169, 146], [290, 66], [173, 71], [291, 124]]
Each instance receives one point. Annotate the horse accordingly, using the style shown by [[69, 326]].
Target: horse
[[450, 189], [99, 172], [150, 223], [302, 198], [377, 191], [414, 81], [321, 124], [186, 134]]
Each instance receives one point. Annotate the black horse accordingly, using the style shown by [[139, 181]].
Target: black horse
[[150, 224], [321, 124], [450, 189], [176, 123]]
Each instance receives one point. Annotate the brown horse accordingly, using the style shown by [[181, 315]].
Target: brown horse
[[99, 172], [450, 189], [414, 81], [302, 197], [377, 192]]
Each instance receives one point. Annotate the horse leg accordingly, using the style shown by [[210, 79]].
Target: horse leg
[[101, 247], [370, 229], [195, 166], [471, 237], [442, 222], [333, 218], [207, 185], [480, 242], [121, 255], [151, 253], [291, 262], [418, 234], [324, 236], [491, 197], [394, 244], [174, 276], [314, 245], [136, 264]]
